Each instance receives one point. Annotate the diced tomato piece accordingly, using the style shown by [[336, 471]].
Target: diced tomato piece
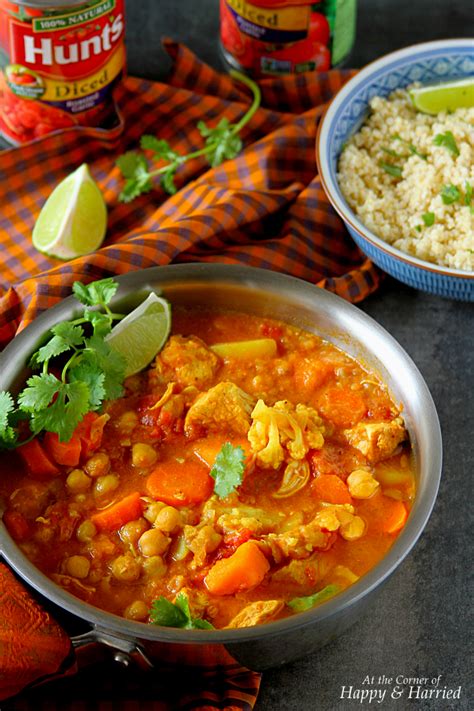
[[90, 431], [17, 525], [67, 453], [37, 461]]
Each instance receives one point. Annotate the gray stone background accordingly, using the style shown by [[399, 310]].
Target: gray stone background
[[421, 623]]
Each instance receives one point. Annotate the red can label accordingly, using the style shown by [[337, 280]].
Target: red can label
[[286, 36], [58, 67]]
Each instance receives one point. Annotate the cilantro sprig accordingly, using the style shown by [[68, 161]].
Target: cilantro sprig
[[228, 469], [222, 142], [76, 371], [176, 614]]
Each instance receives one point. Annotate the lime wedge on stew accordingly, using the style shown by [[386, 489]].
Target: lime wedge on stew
[[73, 219], [444, 97], [142, 334]]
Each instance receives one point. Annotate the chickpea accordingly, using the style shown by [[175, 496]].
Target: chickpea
[[78, 566], [44, 534], [362, 484], [154, 566], [152, 510], [106, 484], [85, 531], [131, 531], [137, 610], [125, 568], [153, 542], [168, 519], [127, 422], [354, 529], [143, 455], [78, 481], [98, 465]]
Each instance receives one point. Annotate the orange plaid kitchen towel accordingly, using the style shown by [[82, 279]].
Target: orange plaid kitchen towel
[[266, 208]]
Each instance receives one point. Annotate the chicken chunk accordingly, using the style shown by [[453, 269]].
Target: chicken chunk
[[187, 361], [302, 572], [297, 543], [377, 441], [224, 407], [256, 613]]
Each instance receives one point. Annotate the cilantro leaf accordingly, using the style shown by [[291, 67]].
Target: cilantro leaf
[[8, 435], [39, 393], [223, 142], [160, 148], [65, 413], [448, 141], [177, 614], [100, 355], [101, 323], [428, 218], [167, 181], [467, 193], [228, 469], [391, 169], [416, 152], [449, 194], [134, 168], [66, 336], [301, 604], [94, 378], [97, 293]]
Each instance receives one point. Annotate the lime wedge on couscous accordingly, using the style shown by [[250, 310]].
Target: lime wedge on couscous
[[73, 220], [142, 333], [444, 97]]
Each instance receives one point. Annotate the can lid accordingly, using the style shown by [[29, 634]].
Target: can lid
[[53, 4]]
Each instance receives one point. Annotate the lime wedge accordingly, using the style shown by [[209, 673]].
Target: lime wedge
[[142, 334], [444, 97], [73, 220]]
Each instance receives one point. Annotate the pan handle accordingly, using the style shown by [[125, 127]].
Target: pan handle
[[126, 651]]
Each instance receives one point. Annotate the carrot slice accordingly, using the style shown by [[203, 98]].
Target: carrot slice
[[342, 406], [395, 517], [329, 488], [180, 483], [244, 569], [17, 525], [115, 516], [67, 453], [208, 449], [37, 461], [90, 431]]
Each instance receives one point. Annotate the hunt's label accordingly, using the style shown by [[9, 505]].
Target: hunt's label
[[59, 66]]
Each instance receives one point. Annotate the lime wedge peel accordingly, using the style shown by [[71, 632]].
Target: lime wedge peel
[[73, 220], [142, 334], [449, 96]]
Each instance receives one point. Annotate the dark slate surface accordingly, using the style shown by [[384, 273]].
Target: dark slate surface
[[419, 626]]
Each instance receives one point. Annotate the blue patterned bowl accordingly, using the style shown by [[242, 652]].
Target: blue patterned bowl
[[428, 62]]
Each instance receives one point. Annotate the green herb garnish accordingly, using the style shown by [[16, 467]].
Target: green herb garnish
[[228, 469], [428, 218], [222, 142], [448, 141], [418, 228], [89, 371], [176, 614], [410, 147], [391, 169], [393, 154], [300, 604], [467, 193], [449, 194]]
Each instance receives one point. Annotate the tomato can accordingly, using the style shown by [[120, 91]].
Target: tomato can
[[265, 37], [59, 65]]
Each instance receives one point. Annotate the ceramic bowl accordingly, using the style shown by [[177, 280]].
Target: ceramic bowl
[[426, 63]]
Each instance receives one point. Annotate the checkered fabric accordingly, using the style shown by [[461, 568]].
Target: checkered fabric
[[266, 209]]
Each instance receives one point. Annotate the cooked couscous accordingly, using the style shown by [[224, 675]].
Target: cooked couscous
[[410, 179]]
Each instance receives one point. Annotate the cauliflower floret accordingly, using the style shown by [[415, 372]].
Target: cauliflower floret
[[377, 441], [284, 430], [223, 407], [187, 361]]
